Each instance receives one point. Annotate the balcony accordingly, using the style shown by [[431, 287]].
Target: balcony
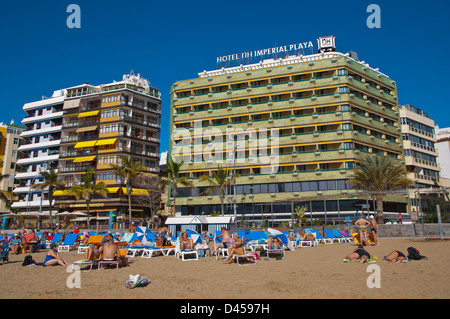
[[43, 117], [43, 131], [40, 145], [39, 159]]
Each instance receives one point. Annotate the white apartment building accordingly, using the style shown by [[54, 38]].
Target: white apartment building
[[40, 148]]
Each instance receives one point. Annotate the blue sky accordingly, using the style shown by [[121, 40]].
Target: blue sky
[[168, 41]]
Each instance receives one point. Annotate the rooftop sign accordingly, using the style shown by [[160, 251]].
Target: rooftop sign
[[285, 50]]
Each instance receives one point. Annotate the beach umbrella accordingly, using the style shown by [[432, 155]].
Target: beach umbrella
[[78, 213], [195, 236], [282, 236], [66, 213], [142, 234]]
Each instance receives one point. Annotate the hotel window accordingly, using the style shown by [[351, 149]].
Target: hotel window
[[349, 165], [342, 72], [343, 89]]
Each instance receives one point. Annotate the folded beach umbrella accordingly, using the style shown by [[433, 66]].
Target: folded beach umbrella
[[282, 236], [196, 237]]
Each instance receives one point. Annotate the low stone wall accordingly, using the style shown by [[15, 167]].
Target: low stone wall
[[399, 230]]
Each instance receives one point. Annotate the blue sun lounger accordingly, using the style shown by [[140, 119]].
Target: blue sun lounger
[[332, 236], [69, 242]]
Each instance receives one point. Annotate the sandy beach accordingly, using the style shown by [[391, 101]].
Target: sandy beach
[[317, 272]]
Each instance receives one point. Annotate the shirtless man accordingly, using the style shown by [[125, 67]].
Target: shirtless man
[[374, 229], [185, 242], [225, 235], [362, 224], [109, 251]]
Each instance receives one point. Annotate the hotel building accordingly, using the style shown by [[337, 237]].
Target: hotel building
[[9, 144], [320, 113], [422, 167], [39, 146], [101, 124]]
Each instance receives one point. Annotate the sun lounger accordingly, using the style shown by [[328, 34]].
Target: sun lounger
[[148, 252], [69, 242], [341, 236], [249, 257], [94, 239], [108, 262], [55, 240], [189, 252], [349, 237], [167, 250], [5, 250], [320, 239], [332, 236]]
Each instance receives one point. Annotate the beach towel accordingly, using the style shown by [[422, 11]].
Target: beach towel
[[368, 261]]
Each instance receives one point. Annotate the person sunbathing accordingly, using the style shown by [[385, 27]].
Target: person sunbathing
[[16, 244], [359, 254], [92, 253], [275, 243], [309, 237], [110, 252], [396, 257], [185, 242], [237, 248]]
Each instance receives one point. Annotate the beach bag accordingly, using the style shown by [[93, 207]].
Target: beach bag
[[28, 260], [414, 254], [137, 281]]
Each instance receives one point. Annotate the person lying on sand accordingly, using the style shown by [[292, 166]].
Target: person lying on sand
[[359, 253], [396, 257]]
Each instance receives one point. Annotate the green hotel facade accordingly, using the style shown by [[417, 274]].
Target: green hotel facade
[[293, 128]]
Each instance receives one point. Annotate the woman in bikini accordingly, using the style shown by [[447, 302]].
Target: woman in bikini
[[237, 248], [359, 253], [362, 224], [396, 257]]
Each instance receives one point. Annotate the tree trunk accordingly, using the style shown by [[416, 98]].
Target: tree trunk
[[50, 199], [129, 191], [174, 196], [380, 215], [87, 211]]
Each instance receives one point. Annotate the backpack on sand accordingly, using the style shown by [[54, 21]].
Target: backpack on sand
[[414, 254]]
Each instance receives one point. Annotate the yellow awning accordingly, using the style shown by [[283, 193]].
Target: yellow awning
[[86, 114], [85, 144], [84, 159], [113, 190], [60, 193], [87, 129], [106, 142], [136, 192]]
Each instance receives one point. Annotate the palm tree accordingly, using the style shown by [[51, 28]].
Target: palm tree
[[379, 175], [173, 180], [88, 190], [51, 183], [6, 196], [128, 172], [219, 180]]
